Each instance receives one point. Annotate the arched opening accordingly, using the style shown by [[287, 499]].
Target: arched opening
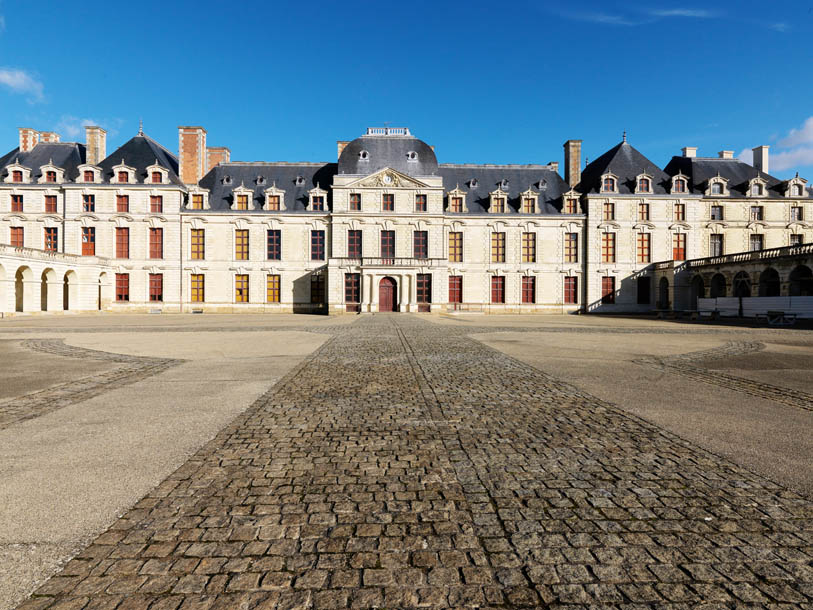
[[102, 300], [69, 291], [769, 283], [47, 280], [663, 294], [718, 286], [698, 291], [387, 294], [742, 284], [801, 282], [22, 280], [3, 302]]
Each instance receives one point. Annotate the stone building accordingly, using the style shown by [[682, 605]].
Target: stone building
[[384, 228]]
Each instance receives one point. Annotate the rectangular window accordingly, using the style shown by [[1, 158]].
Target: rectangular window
[[608, 289], [274, 244], [644, 290], [643, 211], [497, 247], [122, 203], [198, 244], [198, 285], [273, 203], [420, 244], [88, 241], [497, 289], [241, 244], [680, 212], [528, 205], [88, 175], [352, 288], [156, 243], [124, 177], [17, 237], [355, 202], [272, 288], [456, 246], [420, 203], [456, 205], [796, 214], [317, 245], [122, 286], [16, 203], [88, 203], [528, 289], [241, 288], [354, 243], [156, 204], [50, 176], [644, 248], [755, 242], [571, 247], [122, 242], [318, 203], [608, 211], [197, 202], [795, 239], [715, 244], [156, 287], [388, 202], [241, 202], [455, 288], [498, 205], [387, 244], [16, 176], [51, 239], [157, 178], [571, 205], [608, 247], [529, 247], [756, 212], [679, 247], [716, 212], [423, 284], [571, 290], [317, 288], [50, 204]]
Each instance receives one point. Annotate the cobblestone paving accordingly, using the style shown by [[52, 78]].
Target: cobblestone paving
[[35, 404], [402, 465]]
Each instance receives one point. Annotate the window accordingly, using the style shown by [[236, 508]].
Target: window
[[796, 191], [88, 203], [241, 202], [387, 244], [571, 290], [122, 203], [497, 247], [197, 202], [50, 204], [352, 288], [679, 247], [643, 211], [423, 286], [756, 190], [680, 212], [17, 237], [528, 205], [716, 188], [51, 239], [755, 242], [198, 285], [420, 203], [608, 211], [318, 203], [529, 247], [715, 244], [455, 289], [122, 286], [317, 245], [456, 205], [50, 176], [241, 245], [16, 203], [272, 288], [124, 177], [420, 245], [571, 247], [156, 243], [795, 239], [756, 212], [87, 175], [679, 186], [355, 202], [796, 214], [198, 245], [608, 185], [157, 178], [156, 287], [608, 247], [317, 288], [498, 205], [16, 176], [388, 202], [456, 246], [497, 289], [122, 242], [571, 205], [644, 286], [644, 247], [88, 241], [241, 288], [274, 244], [273, 203], [156, 204], [608, 289], [528, 289], [644, 185], [354, 243], [716, 212]]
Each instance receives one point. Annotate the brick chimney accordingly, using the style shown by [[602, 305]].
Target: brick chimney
[[49, 136], [95, 144], [215, 155], [28, 138], [689, 151], [192, 153], [573, 162], [726, 154], [761, 159], [340, 145]]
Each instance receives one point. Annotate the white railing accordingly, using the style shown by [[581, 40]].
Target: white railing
[[748, 257], [802, 307], [388, 131], [50, 255]]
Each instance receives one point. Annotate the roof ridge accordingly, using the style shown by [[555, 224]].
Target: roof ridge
[[499, 165], [275, 163], [156, 143]]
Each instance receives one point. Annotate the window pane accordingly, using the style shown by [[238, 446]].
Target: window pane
[[272, 288]]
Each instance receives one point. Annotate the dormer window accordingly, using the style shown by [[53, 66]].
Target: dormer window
[[498, 204], [196, 201], [273, 203], [364, 155], [473, 183], [756, 190], [679, 185], [716, 188], [124, 177], [300, 181], [318, 203], [157, 178], [455, 199], [260, 180], [241, 202], [796, 190], [608, 184], [571, 205], [412, 156], [50, 176], [87, 175], [17, 176], [529, 199], [644, 185], [226, 180]]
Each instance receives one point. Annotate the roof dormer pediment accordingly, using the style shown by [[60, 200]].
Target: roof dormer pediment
[[388, 178]]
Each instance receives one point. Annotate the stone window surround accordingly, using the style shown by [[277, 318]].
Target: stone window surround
[[85, 167], [273, 191], [529, 194], [615, 182], [497, 194], [717, 180], [638, 184], [155, 167], [675, 178], [17, 167], [318, 192], [122, 167]]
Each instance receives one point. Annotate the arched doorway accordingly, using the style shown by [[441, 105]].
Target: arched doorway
[[3, 302], [742, 284], [387, 294], [102, 298], [21, 278], [718, 286], [663, 294], [69, 291], [698, 291], [769, 283], [801, 282], [48, 278]]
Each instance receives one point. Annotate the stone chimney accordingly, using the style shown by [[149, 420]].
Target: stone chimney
[[340, 145], [554, 165], [689, 151], [215, 155], [28, 138], [761, 158], [192, 153], [49, 136], [573, 162], [95, 144], [726, 154]]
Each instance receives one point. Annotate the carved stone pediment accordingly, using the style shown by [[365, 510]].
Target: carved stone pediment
[[388, 178]]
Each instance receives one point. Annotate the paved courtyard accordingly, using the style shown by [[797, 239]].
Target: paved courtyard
[[400, 461]]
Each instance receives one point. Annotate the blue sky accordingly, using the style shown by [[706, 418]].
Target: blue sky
[[483, 82]]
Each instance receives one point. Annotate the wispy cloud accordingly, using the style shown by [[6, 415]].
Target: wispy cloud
[[683, 12], [792, 151], [799, 136], [20, 81], [72, 126], [2, 23], [779, 27], [633, 17], [605, 18], [791, 159]]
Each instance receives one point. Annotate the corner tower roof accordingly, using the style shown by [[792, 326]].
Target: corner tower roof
[[626, 163]]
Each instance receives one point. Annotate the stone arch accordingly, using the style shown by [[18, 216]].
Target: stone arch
[[23, 288], [663, 293], [742, 284], [49, 281], [3, 290], [70, 291], [697, 291], [718, 286], [801, 281], [102, 296], [769, 283]]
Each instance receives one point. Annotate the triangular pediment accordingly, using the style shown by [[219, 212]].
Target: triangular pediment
[[388, 178]]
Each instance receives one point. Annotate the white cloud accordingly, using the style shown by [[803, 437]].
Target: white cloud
[[71, 126], [779, 27], [798, 137], [791, 159], [746, 156], [19, 81], [605, 18], [2, 23], [683, 12]]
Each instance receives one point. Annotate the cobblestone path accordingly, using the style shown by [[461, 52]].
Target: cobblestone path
[[402, 466]]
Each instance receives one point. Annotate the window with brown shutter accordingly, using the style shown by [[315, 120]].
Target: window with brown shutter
[[156, 243], [50, 204], [157, 178], [122, 242], [124, 177], [88, 175], [16, 176], [17, 237], [122, 203], [16, 203], [156, 204]]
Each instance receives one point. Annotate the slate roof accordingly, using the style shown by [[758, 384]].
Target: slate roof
[[283, 175], [701, 169], [140, 152], [388, 151], [627, 163], [65, 155]]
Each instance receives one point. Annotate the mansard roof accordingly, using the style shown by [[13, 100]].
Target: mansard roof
[[296, 179], [479, 181], [627, 164], [65, 155], [140, 152], [373, 152]]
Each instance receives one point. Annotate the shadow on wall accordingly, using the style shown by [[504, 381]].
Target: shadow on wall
[[633, 294], [310, 292]]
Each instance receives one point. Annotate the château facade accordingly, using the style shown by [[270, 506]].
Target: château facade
[[384, 228]]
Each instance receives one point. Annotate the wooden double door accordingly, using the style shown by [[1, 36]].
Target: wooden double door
[[387, 295]]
